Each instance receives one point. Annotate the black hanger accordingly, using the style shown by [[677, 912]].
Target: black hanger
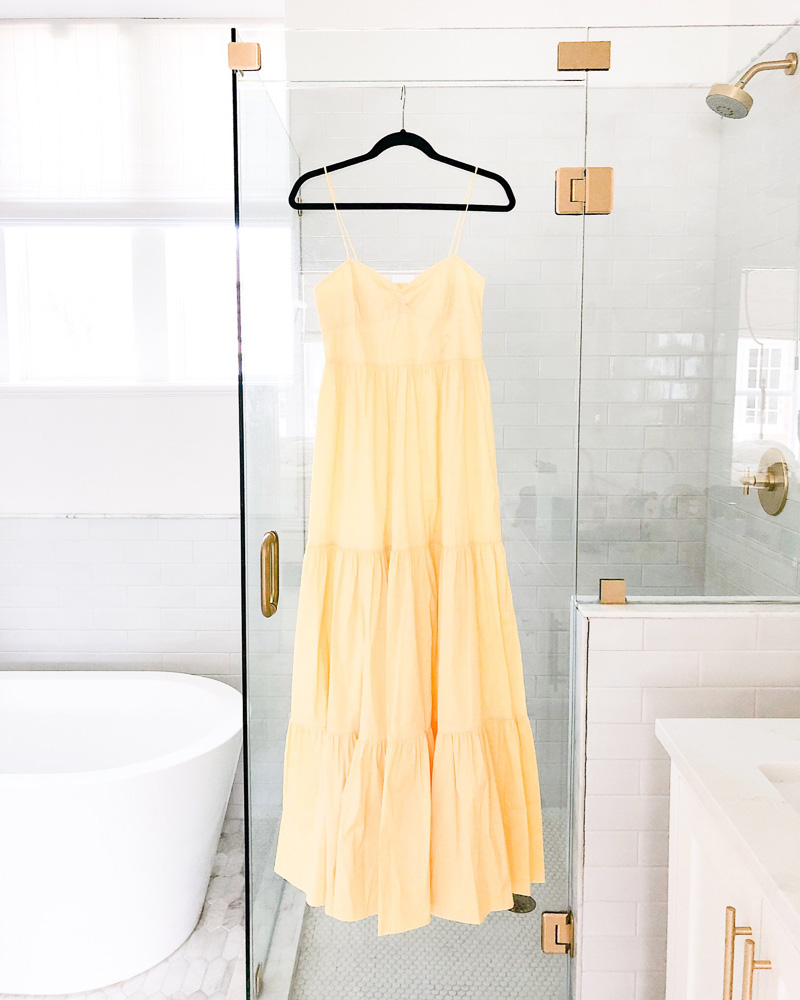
[[401, 138]]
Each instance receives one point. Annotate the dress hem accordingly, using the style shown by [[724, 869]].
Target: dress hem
[[445, 824]]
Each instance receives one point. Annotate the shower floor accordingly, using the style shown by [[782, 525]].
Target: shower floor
[[202, 968], [500, 958]]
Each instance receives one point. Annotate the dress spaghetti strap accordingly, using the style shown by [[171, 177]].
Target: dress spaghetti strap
[[455, 242], [348, 243], [462, 218]]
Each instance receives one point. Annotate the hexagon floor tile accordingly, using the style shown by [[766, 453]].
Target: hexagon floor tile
[[202, 968], [500, 958]]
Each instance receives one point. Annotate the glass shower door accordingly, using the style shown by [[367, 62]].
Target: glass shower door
[[532, 261], [275, 453]]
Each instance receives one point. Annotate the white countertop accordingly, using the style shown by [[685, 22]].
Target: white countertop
[[729, 763]]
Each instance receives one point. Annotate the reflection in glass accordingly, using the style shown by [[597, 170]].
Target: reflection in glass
[[766, 378]]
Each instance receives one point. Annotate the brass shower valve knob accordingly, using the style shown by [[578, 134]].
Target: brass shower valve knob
[[771, 481], [760, 481]]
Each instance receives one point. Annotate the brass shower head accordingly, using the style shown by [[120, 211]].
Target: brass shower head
[[731, 100]]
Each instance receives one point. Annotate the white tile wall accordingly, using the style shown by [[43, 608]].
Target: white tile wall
[[128, 593], [648, 316], [637, 663], [747, 550]]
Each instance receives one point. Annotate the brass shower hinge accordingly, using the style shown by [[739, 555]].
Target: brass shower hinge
[[244, 57], [584, 191], [584, 55], [558, 937]]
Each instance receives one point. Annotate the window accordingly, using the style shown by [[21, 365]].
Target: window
[[770, 409], [200, 283], [765, 398], [133, 305], [770, 369], [69, 304], [138, 147]]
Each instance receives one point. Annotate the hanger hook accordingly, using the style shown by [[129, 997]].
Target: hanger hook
[[403, 107]]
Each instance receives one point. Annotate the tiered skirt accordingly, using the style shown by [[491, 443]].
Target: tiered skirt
[[410, 777]]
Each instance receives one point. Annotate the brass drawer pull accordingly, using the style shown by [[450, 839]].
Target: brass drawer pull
[[270, 574], [731, 931], [750, 966]]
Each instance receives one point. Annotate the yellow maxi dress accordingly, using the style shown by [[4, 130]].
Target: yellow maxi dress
[[410, 778]]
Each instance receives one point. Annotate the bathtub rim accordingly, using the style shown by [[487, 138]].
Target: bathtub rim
[[228, 728]]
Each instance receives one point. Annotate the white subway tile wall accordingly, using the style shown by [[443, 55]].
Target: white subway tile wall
[[647, 340], [643, 663], [122, 593], [748, 551]]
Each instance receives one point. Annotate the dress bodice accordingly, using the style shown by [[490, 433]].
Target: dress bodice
[[367, 319]]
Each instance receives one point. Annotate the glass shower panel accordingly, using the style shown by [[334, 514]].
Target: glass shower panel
[[756, 404], [690, 318], [531, 259], [273, 417]]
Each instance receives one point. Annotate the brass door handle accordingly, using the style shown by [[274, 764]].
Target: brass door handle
[[750, 966], [270, 574], [731, 931]]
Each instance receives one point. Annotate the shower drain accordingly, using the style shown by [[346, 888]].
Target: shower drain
[[523, 904]]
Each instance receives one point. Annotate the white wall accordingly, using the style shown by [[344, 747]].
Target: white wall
[[253, 10], [635, 664], [520, 13], [417, 13], [671, 46]]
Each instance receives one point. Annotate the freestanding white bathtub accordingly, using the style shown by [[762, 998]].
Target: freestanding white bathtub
[[113, 789]]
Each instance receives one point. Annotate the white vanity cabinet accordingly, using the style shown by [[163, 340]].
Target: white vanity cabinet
[[782, 982], [704, 880], [707, 875]]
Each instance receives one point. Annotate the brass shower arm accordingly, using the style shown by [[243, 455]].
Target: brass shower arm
[[788, 65]]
